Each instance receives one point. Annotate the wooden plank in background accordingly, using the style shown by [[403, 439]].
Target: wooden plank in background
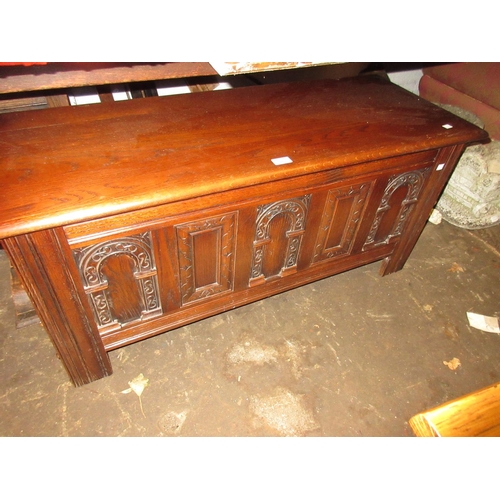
[[473, 415], [67, 75]]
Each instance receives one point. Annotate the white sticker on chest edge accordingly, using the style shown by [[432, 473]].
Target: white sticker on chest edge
[[282, 160]]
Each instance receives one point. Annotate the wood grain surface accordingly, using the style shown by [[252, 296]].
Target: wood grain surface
[[72, 164]]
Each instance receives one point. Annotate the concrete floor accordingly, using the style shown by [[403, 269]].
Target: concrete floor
[[352, 355]]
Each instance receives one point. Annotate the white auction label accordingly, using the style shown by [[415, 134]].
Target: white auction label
[[282, 160]]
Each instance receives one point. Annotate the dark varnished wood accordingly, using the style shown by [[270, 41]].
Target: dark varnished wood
[[66, 75], [155, 213]]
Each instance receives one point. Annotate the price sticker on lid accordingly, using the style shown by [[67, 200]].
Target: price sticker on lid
[[282, 160]]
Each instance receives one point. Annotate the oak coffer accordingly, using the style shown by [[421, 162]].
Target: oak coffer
[[125, 220]]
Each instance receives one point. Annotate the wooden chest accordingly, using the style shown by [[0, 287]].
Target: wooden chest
[[129, 219]]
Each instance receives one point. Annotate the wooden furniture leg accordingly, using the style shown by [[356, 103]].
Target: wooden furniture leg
[[45, 271], [444, 163]]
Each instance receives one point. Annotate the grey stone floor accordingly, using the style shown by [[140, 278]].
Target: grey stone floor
[[352, 355]]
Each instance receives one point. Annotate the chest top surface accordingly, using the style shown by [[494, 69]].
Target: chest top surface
[[66, 165]]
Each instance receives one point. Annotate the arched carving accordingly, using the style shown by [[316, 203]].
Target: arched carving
[[413, 182], [91, 260], [295, 212]]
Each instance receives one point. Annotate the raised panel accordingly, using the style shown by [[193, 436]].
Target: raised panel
[[206, 254], [124, 298], [340, 220], [280, 227], [206, 257], [120, 280], [396, 205]]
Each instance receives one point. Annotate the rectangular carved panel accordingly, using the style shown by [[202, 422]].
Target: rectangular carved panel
[[280, 227], [206, 257], [120, 279], [340, 220]]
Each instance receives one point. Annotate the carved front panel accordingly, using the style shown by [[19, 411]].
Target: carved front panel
[[206, 257], [340, 220], [399, 197], [280, 227], [120, 279]]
